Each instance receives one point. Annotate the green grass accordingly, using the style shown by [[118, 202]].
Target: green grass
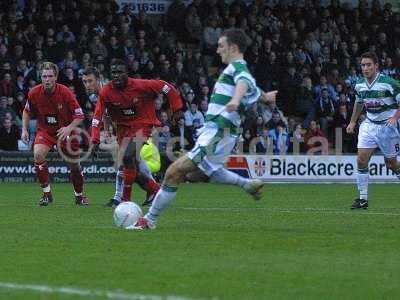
[[299, 242]]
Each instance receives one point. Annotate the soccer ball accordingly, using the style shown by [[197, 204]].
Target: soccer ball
[[127, 214]]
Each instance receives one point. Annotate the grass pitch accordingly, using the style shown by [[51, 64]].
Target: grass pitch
[[298, 242]]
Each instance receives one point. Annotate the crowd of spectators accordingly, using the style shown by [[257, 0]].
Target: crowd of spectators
[[310, 54]]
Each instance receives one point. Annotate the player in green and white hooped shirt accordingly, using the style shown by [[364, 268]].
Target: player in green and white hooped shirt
[[235, 88], [380, 95]]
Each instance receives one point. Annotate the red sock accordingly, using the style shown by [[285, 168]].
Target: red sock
[[77, 180], [42, 173], [152, 186], [129, 178]]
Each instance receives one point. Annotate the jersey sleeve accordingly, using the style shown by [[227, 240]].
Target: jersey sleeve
[[97, 117], [167, 89], [74, 105], [241, 73], [28, 105], [27, 108], [357, 92]]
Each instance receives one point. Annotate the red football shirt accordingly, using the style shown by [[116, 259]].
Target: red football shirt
[[53, 111], [134, 105]]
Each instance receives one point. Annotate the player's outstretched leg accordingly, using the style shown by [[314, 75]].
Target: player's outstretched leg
[[167, 193], [251, 186]]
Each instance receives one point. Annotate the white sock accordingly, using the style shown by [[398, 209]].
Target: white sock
[[164, 197], [46, 189], [119, 185], [78, 194], [362, 183], [225, 176]]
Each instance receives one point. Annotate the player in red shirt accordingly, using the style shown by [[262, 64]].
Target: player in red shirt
[[144, 178], [58, 114], [130, 105]]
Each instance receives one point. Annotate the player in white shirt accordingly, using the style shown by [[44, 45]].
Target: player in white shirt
[[380, 95]]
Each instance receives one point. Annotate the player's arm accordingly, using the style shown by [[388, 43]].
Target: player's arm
[[268, 97], [240, 90], [171, 92], [97, 119], [167, 89], [77, 114], [396, 95], [26, 117], [357, 110]]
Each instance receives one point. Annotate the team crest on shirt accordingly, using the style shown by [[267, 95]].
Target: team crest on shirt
[[59, 106], [135, 100]]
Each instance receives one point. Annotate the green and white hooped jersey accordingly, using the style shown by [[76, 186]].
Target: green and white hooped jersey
[[223, 92], [381, 98]]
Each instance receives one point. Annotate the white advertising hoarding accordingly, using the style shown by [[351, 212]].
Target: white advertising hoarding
[[307, 168]]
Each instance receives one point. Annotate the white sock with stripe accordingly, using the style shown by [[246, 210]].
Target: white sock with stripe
[[162, 200], [362, 182], [225, 176]]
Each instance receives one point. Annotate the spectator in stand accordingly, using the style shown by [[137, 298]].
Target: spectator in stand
[[175, 14], [19, 104], [63, 32], [4, 108], [23, 68], [246, 139], [279, 139], [258, 126], [323, 83], [305, 103], [315, 140], [203, 107], [166, 72], [20, 84], [325, 112], [6, 85], [296, 140], [266, 69], [193, 25], [204, 94], [389, 69], [263, 144], [341, 120], [5, 56], [191, 114], [34, 74], [211, 34], [97, 47], [179, 72], [275, 121], [9, 136], [69, 61], [184, 136]]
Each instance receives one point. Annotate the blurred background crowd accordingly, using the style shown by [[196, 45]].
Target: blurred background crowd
[[310, 54]]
